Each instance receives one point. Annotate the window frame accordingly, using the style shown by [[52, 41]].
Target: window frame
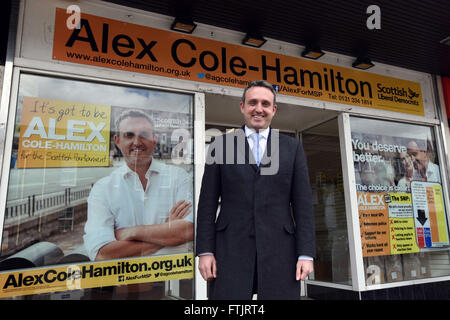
[[356, 257]]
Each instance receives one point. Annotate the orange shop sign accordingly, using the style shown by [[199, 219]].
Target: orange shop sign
[[119, 45]]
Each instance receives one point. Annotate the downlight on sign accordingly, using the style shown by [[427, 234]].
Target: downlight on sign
[[55, 133], [119, 45]]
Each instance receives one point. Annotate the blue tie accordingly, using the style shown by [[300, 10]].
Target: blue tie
[[256, 149]]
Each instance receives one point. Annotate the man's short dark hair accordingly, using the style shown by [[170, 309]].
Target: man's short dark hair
[[132, 114], [260, 83]]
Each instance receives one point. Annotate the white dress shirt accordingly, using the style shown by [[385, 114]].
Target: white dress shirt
[[119, 201], [263, 136]]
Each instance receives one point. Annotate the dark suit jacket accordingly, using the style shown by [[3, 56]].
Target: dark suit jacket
[[264, 219]]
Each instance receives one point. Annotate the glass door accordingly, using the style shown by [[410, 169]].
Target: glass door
[[322, 147]]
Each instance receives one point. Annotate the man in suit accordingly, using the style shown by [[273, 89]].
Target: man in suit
[[263, 240]]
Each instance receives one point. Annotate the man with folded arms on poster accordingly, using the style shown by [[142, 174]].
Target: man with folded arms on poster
[[142, 206]]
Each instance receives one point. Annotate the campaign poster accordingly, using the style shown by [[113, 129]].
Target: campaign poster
[[373, 217], [401, 224], [429, 215], [399, 190], [56, 134]]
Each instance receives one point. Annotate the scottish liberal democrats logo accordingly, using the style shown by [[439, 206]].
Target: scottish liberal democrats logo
[[412, 94], [397, 94]]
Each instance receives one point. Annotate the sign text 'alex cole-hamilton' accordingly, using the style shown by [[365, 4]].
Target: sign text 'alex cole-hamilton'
[[125, 46]]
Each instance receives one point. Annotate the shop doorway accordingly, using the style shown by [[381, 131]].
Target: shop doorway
[[318, 130]]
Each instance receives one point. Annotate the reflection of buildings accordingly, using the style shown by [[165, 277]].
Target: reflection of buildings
[[168, 127], [47, 204], [61, 213]]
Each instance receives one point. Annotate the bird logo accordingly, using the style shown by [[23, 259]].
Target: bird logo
[[412, 94]]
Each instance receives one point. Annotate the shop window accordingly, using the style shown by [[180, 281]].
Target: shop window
[[322, 149], [400, 194], [74, 189]]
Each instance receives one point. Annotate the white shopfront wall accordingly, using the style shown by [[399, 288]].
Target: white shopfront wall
[[213, 103]]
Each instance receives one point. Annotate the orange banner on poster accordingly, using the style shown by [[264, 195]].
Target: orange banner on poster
[[108, 43], [432, 214], [56, 133], [373, 219]]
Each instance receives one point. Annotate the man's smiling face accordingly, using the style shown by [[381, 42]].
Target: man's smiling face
[[258, 108], [136, 141]]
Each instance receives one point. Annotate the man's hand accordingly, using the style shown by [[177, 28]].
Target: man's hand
[[304, 268], [179, 211], [207, 266]]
